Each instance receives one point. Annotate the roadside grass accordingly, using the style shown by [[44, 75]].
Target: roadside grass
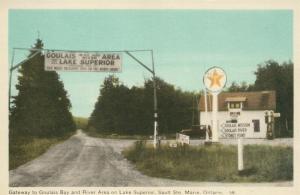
[[23, 149], [213, 163]]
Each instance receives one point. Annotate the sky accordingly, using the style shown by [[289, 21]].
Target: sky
[[185, 44]]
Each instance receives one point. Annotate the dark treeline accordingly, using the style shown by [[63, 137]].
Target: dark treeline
[[279, 77], [42, 107], [124, 110]]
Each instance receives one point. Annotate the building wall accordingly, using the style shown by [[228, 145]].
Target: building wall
[[244, 119]]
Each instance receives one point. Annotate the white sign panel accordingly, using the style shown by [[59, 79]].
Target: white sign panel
[[235, 130], [215, 79], [183, 139], [83, 61]]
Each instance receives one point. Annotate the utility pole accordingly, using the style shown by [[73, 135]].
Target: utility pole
[[12, 68], [155, 104], [155, 133]]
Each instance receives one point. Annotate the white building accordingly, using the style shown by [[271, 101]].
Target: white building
[[240, 114]]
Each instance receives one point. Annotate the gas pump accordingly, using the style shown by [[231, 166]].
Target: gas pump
[[269, 120]]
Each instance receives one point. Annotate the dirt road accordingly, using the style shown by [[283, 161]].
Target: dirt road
[[86, 161]]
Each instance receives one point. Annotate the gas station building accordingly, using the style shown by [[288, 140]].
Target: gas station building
[[242, 114]]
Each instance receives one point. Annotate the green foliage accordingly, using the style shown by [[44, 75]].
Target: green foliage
[[243, 86], [279, 77], [123, 110], [41, 107], [213, 163]]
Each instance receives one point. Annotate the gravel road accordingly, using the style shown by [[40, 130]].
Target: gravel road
[[85, 161]]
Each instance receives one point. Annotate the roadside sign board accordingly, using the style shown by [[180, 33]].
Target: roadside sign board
[[82, 61], [235, 130], [276, 114], [183, 139], [215, 79]]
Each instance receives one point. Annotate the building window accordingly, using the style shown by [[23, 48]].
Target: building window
[[234, 105], [256, 125]]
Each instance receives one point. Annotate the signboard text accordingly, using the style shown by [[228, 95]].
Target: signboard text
[[234, 130], [82, 61]]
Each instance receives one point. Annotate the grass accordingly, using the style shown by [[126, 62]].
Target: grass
[[213, 163], [23, 149]]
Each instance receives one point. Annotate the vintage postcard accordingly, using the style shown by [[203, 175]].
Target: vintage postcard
[[144, 98]]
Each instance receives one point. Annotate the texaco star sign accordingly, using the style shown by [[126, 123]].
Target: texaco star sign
[[214, 79]]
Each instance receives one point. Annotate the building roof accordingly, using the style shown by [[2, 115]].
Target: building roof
[[255, 100], [235, 99]]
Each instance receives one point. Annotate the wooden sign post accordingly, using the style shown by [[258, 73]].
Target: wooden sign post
[[240, 155]]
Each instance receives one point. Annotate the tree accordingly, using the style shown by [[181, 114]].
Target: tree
[[279, 77], [243, 86], [42, 107], [110, 112], [130, 111], [174, 106]]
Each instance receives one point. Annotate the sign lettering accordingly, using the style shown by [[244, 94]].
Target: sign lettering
[[235, 130], [83, 61]]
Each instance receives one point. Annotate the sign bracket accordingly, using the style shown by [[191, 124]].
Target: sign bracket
[[13, 67]]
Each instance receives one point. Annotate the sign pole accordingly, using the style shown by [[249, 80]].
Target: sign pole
[[154, 94], [10, 78], [240, 155], [53, 51], [155, 103], [214, 80], [215, 137], [206, 117], [12, 68]]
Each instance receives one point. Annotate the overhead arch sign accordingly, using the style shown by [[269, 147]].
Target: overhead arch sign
[[83, 61]]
